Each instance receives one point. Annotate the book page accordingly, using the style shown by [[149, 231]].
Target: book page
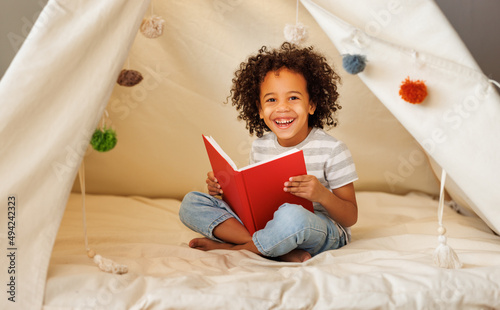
[[221, 152], [269, 160]]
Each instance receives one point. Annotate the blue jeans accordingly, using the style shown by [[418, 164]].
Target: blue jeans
[[292, 226]]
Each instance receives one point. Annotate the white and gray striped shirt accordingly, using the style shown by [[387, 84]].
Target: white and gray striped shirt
[[327, 158]]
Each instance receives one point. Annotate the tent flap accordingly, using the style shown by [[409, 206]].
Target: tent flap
[[457, 124], [52, 97]]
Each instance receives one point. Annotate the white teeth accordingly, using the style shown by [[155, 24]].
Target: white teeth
[[284, 122]]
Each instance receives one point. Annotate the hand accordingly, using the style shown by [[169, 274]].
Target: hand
[[213, 185], [306, 186]]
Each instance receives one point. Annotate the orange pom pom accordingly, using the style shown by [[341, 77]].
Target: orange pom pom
[[413, 91]]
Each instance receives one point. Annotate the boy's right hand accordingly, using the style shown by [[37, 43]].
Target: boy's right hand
[[213, 185]]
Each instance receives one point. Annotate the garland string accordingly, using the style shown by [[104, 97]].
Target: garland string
[[104, 264]]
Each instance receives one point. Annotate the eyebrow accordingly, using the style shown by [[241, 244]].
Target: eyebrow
[[294, 92], [288, 93]]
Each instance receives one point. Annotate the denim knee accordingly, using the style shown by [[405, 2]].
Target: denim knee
[[292, 226], [202, 213], [191, 209], [186, 209], [293, 216]]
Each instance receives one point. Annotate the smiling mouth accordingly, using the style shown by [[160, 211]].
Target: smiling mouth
[[284, 122]]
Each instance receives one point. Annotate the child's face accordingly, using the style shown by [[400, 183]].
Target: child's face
[[285, 106]]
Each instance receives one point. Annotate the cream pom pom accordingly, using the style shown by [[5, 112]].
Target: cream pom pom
[[296, 34], [152, 27]]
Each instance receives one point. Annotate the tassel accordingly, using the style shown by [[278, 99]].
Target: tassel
[[106, 264], [444, 255]]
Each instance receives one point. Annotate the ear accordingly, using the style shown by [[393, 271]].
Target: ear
[[312, 107]]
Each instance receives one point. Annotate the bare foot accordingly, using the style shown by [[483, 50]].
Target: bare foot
[[296, 256], [206, 244]]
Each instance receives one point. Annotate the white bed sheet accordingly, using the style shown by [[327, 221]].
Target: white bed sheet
[[387, 266]]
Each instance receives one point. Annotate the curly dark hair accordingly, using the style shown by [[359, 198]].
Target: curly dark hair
[[320, 77]]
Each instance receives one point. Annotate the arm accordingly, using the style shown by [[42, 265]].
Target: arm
[[213, 185], [340, 203]]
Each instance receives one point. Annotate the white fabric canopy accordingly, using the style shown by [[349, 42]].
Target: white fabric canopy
[[48, 112], [457, 124], [57, 87]]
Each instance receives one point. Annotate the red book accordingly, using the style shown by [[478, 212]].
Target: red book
[[255, 192]]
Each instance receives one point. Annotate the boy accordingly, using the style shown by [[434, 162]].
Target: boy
[[292, 94]]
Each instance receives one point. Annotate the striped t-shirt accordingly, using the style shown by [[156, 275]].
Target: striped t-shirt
[[327, 158]]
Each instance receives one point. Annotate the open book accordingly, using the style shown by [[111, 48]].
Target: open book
[[255, 192]]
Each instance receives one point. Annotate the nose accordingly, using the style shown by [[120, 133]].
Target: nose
[[283, 106]]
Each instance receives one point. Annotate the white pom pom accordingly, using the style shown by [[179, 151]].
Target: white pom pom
[[152, 27], [107, 265], [295, 34]]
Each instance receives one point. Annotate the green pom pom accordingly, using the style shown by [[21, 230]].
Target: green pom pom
[[103, 140]]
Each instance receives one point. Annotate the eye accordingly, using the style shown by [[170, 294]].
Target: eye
[[271, 100], [293, 98]]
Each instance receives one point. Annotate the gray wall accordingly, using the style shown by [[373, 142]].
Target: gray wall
[[16, 20], [476, 21]]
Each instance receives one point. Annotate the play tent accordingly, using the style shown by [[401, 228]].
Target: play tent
[[62, 86]]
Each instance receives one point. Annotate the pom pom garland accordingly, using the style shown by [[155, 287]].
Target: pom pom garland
[[354, 64], [103, 139], [105, 264], [413, 91], [129, 78], [152, 27], [296, 34]]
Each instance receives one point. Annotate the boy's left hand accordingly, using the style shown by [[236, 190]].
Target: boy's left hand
[[306, 186]]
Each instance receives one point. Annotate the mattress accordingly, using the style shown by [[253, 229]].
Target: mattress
[[388, 264]]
